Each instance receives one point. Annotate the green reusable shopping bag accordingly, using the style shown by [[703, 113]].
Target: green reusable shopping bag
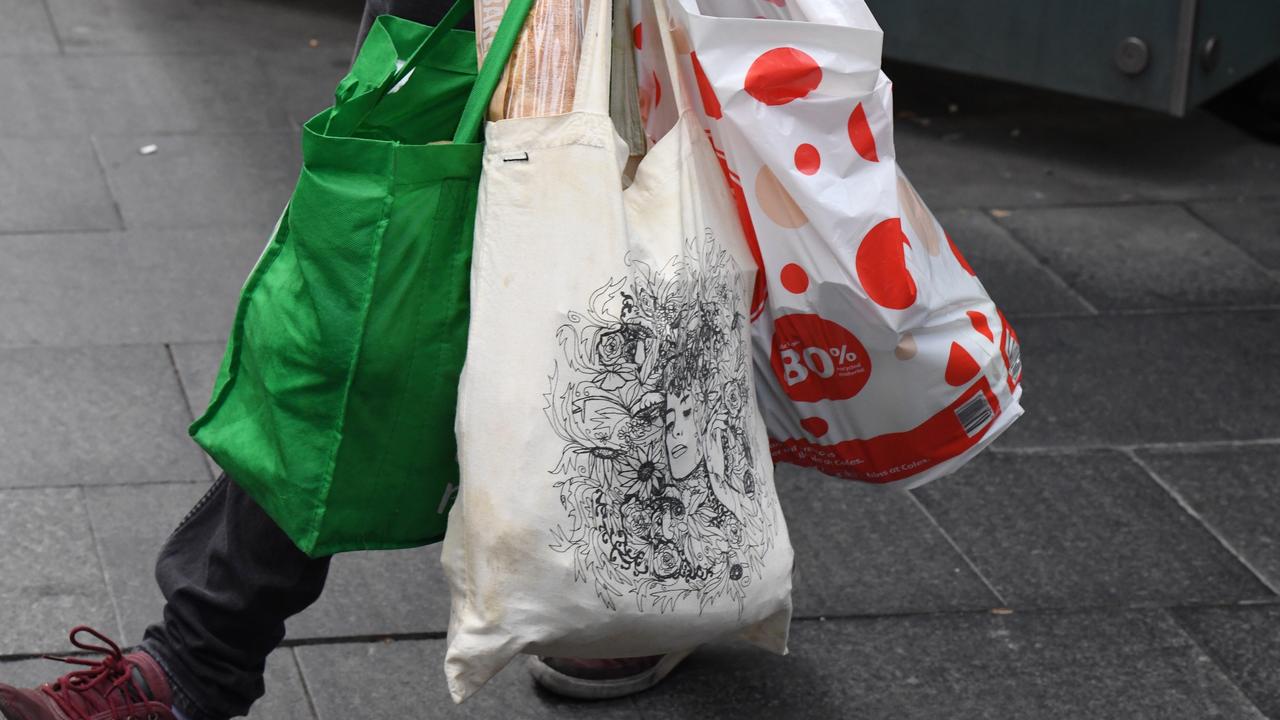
[[334, 405]]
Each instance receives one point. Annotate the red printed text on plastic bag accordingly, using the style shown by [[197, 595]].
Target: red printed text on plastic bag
[[817, 359]]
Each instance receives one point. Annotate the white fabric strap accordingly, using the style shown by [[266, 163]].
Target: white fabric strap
[[592, 91]]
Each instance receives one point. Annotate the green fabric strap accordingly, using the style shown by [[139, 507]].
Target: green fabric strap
[[490, 74], [495, 63], [438, 33]]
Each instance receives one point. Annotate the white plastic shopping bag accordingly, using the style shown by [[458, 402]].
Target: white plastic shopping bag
[[881, 357], [617, 497]]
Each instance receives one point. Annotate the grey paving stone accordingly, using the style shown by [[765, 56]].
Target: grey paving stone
[[1236, 493], [1105, 665], [1019, 284], [379, 593], [1026, 157], [1200, 157], [50, 579], [1252, 224], [304, 80], [131, 523], [93, 415], [406, 679], [866, 551], [1148, 379], [1143, 257], [52, 184], [990, 169], [39, 100], [1076, 529], [140, 286], [1245, 641], [26, 28], [192, 26], [198, 365], [285, 699], [927, 92], [233, 180], [153, 93]]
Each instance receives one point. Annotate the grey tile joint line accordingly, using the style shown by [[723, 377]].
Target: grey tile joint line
[[53, 27], [1233, 196], [182, 387], [158, 483], [101, 162], [306, 687], [1190, 209], [1149, 312], [186, 403], [951, 541], [1190, 510], [1040, 262], [102, 566], [1229, 677], [433, 636], [1195, 446]]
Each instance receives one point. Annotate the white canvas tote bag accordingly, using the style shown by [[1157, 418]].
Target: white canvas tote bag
[[882, 358], [617, 494]]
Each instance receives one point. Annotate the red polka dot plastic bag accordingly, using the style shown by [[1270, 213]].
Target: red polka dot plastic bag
[[880, 356]]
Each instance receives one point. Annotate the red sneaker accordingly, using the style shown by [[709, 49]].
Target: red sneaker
[[585, 679], [117, 687]]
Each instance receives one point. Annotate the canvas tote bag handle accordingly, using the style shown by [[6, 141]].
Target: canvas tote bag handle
[[591, 93]]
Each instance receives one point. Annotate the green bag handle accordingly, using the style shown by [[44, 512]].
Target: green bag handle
[[490, 73], [495, 63], [437, 34]]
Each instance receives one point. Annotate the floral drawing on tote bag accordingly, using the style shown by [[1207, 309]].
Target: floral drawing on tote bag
[[659, 477]]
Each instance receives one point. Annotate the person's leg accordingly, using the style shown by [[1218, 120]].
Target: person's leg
[[230, 577]]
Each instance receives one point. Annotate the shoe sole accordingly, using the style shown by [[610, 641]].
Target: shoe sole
[[583, 689]]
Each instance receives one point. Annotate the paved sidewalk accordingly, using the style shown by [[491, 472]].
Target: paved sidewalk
[[1117, 555]]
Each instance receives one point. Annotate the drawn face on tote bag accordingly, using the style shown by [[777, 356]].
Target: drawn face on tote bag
[[684, 451]]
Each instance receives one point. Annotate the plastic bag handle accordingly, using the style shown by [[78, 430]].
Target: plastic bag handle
[[495, 63], [674, 76]]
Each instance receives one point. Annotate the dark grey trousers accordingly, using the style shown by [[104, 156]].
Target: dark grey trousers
[[230, 578], [229, 575]]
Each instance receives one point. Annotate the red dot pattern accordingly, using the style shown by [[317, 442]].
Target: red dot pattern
[[794, 278], [881, 265], [637, 36], [815, 426], [808, 159], [782, 75], [816, 359], [864, 141], [980, 324], [961, 367]]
